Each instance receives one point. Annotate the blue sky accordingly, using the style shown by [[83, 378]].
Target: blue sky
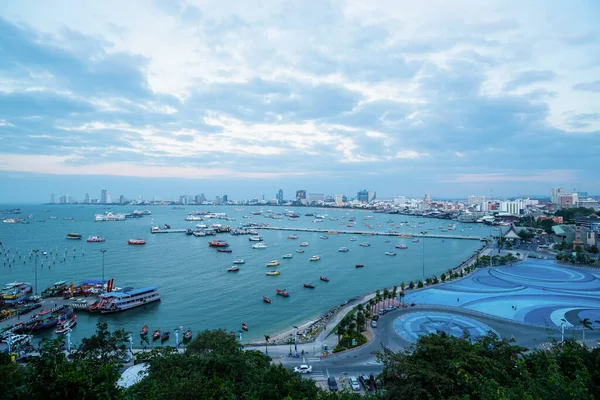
[[401, 97]]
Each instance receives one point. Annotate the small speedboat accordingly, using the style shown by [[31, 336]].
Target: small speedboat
[[244, 326], [324, 278], [282, 292], [324, 237], [233, 269], [266, 300], [314, 258], [187, 335], [224, 250], [401, 246], [390, 253], [309, 286], [359, 265], [286, 256], [273, 273], [156, 334], [353, 239], [365, 244], [299, 251], [144, 330], [304, 244], [259, 246], [136, 241], [165, 336], [273, 263], [344, 250], [239, 261]]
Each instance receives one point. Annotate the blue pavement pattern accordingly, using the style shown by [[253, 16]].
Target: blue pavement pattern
[[537, 292], [422, 323]]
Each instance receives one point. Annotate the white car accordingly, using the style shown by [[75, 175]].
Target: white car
[[303, 369], [354, 383]]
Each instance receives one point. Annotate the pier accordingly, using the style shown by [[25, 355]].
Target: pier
[[372, 233], [153, 230]]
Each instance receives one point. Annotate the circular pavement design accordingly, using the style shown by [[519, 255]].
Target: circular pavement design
[[411, 326]]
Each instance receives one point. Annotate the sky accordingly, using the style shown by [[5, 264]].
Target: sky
[[242, 98]]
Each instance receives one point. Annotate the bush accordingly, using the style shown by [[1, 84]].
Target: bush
[[420, 284]]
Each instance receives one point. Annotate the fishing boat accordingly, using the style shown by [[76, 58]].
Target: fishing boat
[[309, 286], [401, 246], [136, 241], [282, 292], [233, 269], [390, 253], [293, 237], [73, 236], [344, 250], [127, 299], [15, 292], [165, 336], [187, 335], [304, 244], [56, 289], [286, 256], [49, 319], [359, 265], [273, 263], [244, 326], [365, 244], [299, 251], [259, 246], [266, 300], [95, 239], [156, 334], [144, 330], [239, 261], [273, 273], [255, 239], [324, 278], [66, 324], [314, 258], [224, 251], [217, 243]]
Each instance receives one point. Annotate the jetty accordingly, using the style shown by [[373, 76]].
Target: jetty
[[405, 235], [154, 230]]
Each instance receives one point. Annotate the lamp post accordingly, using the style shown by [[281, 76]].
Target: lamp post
[[35, 270], [295, 343], [423, 233], [562, 329], [103, 251]]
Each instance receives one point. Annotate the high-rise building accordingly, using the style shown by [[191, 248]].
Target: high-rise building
[[108, 198], [86, 199], [225, 198], [52, 198], [339, 198], [427, 198], [202, 198], [362, 196], [218, 200], [62, 199], [122, 199], [103, 194], [315, 197], [300, 195], [471, 200], [371, 195], [279, 196], [567, 200], [183, 199], [554, 195], [399, 200]]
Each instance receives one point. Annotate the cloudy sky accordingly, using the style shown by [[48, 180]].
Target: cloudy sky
[[246, 97]]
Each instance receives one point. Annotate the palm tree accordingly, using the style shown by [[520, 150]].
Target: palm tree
[[377, 298], [360, 321], [351, 326], [401, 297], [386, 295], [587, 324], [267, 338], [372, 304], [340, 331], [402, 286], [394, 293]]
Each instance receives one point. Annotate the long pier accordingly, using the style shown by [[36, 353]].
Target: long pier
[[371, 233], [168, 230]]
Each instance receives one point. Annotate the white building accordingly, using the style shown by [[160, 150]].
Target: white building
[[399, 200], [339, 198], [314, 197], [371, 196], [475, 200], [512, 207]]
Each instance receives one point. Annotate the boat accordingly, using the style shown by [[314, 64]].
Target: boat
[[282, 292], [353, 239], [299, 251], [244, 326], [95, 239], [144, 330], [344, 250], [365, 244], [127, 299], [156, 334], [266, 300], [324, 278], [293, 237], [109, 217], [359, 265], [165, 336], [56, 289], [239, 261], [415, 240], [286, 256], [233, 269], [136, 241], [309, 286], [73, 236], [50, 318], [224, 251], [217, 243], [401, 246], [390, 253], [66, 325], [324, 237], [387, 240], [304, 244], [15, 292], [273, 263], [187, 335], [273, 273], [255, 239], [314, 258]]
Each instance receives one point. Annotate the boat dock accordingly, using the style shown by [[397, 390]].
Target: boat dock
[[168, 230], [372, 233]]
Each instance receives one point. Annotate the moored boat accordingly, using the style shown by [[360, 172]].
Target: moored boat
[[56, 289], [390, 253], [293, 237], [156, 334], [136, 241], [401, 246], [324, 237], [273, 263], [344, 250], [144, 330], [304, 244], [324, 278], [187, 335], [244, 326], [224, 251], [95, 239], [299, 251], [314, 258], [233, 269], [266, 300], [286, 256], [273, 273], [359, 265], [365, 244], [239, 261], [120, 301], [66, 324], [218, 243], [260, 245], [255, 239], [415, 240], [309, 286], [73, 236], [165, 336], [282, 292]]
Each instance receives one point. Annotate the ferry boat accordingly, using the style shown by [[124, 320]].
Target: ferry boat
[[218, 243], [273, 273], [390, 253], [401, 246], [136, 241], [233, 269], [255, 239], [365, 244], [121, 301], [273, 263], [95, 239], [66, 324], [309, 286], [259, 246], [16, 292], [73, 236], [314, 258], [324, 278], [287, 256], [304, 244], [344, 250], [293, 237], [239, 261], [299, 251], [282, 292], [54, 290]]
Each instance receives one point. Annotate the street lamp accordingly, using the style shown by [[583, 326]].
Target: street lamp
[[562, 329], [35, 270], [295, 344], [423, 233], [103, 251]]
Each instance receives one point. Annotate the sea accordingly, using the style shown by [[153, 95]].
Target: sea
[[197, 291]]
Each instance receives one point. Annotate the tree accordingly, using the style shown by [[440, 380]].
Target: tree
[[420, 284], [386, 296], [267, 338], [402, 286], [593, 249], [524, 234], [103, 346], [360, 321], [586, 324], [411, 285], [377, 298], [443, 277], [340, 331], [13, 377], [394, 293]]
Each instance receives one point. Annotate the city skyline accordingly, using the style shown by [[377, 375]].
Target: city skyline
[[405, 99]]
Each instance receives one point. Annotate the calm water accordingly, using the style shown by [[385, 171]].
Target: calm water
[[196, 290]]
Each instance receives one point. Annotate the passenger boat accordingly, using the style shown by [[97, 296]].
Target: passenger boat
[[120, 301], [187, 335], [66, 324], [259, 246], [144, 330], [56, 289], [299, 251], [95, 239], [16, 292], [273, 273], [324, 237], [314, 258], [293, 237], [309, 286], [239, 261], [49, 319], [73, 236], [136, 241], [344, 250], [365, 244], [273, 263], [156, 334], [255, 239], [401, 246], [282, 292], [266, 300], [390, 253], [233, 269], [359, 265], [286, 256], [304, 244], [217, 243], [165, 336], [324, 278], [224, 250], [244, 326]]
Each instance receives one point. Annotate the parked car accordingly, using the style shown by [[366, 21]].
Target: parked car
[[354, 383], [391, 308], [382, 311], [375, 317], [373, 324], [332, 384], [303, 369], [366, 383]]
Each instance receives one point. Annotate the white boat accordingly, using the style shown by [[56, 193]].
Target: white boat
[[273, 263], [95, 239], [344, 250], [287, 256], [293, 237], [194, 218], [121, 301], [260, 245], [109, 217], [365, 244], [299, 251], [314, 258], [353, 239], [255, 239], [239, 261], [304, 244], [324, 237], [233, 269], [390, 253]]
